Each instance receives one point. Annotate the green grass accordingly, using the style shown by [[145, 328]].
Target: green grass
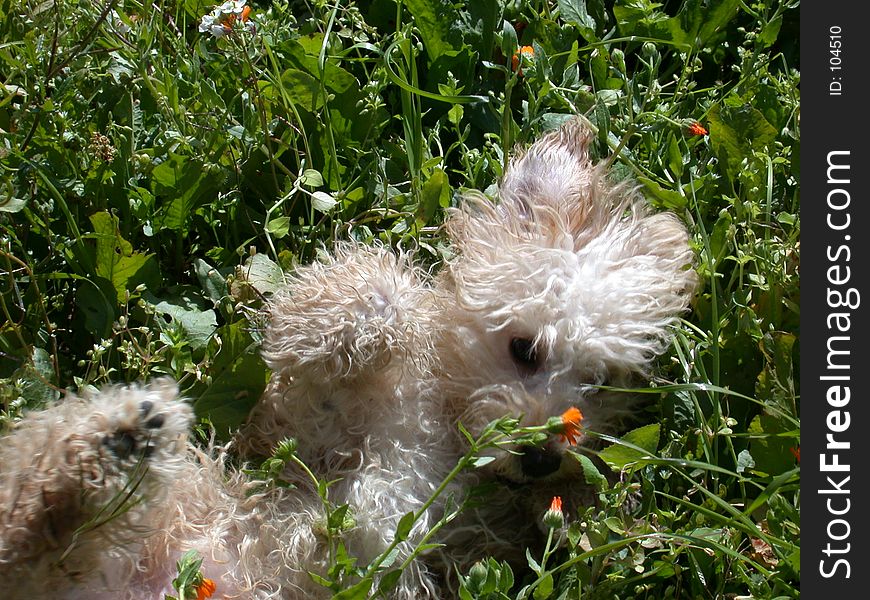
[[156, 181]]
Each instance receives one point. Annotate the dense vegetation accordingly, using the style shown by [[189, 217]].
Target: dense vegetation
[[159, 172]]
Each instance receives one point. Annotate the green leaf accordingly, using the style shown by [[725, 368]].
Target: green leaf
[[438, 23], [533, 564], [770, 32], [574, 12], [736, 132], [115, 259], [481, 461], [405, 525], [210, 279], [615, 525], [183, 185], [668, 199], [389, 581], [337, 518], [323, 202], [312, 178], [675, 156], [188, 310], [770, 444], [590, 472], [359, 591], [278, 227], [262, 273], [646, 439], [8, 202], [35, 379], [302, 88], [544, 588], [96, 300], [239, 377], [744, 461], [708, 19], [434, 196]]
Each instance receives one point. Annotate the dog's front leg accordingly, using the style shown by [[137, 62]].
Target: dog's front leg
[[345, 332]]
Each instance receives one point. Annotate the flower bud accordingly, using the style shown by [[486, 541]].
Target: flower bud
[[554, 517]]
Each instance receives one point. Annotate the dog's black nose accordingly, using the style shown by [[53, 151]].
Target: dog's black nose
[[536, 462]]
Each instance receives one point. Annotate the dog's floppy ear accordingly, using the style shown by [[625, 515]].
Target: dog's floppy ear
[[552, 191], [551, 172]]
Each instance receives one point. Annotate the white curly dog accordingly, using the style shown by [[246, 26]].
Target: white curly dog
[[568, 282]]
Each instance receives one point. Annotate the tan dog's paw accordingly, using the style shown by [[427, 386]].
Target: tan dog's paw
[[149, 422]]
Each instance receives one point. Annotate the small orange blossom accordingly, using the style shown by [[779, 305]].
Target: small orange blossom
[[231, 18], [205, 589], [696, 129], [526, 51], [571, 422]]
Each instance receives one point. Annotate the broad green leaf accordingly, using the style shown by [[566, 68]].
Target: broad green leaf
[[262, 273], [437, 21], [182, 185], [574, 12], [311, 177], [96, 301], [115, 259], [744, 461], [278, 227], [188, 310], [389, 581], [770, 32], [37, 379], [694, 26], [646, 438], [770, 443], [9, 203], [615, 525], [737, 131], [303, 89], [239, 377], [591, 473], [213, 283], [323, 202], [668, 199]]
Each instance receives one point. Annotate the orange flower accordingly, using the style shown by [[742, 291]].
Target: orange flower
[[205, 589], [554, 516], [696, 129], [796, 452], [571, 422], [231, 18], [526, 51]]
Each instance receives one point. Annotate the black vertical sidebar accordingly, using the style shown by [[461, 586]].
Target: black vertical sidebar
[[835, 300]]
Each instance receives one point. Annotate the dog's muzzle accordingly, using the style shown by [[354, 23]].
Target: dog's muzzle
[[539, 462]]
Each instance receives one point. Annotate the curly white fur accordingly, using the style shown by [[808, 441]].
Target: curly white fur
[[568, 282]]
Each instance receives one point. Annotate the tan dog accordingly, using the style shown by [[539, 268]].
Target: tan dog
[[567, 283]]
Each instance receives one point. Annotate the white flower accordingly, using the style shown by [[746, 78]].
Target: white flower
[[211, 24], [220, 20]]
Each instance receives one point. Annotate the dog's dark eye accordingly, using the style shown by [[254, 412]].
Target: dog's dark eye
[[524, 353]]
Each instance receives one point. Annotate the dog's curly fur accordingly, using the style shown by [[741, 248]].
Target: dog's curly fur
[[568, 282]]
